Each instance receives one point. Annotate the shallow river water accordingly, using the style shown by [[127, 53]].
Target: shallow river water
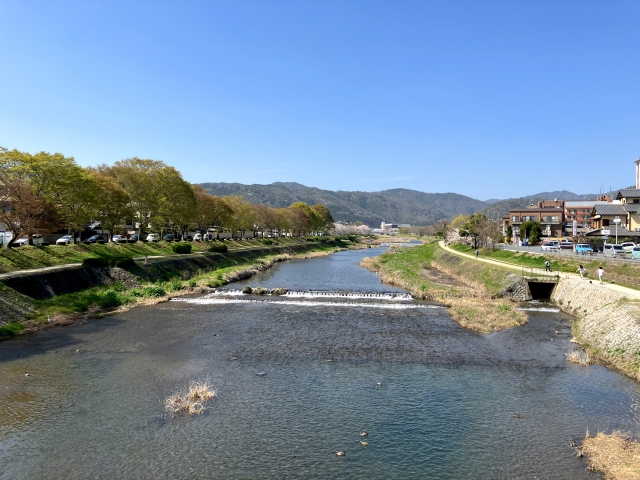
[[444, 408]]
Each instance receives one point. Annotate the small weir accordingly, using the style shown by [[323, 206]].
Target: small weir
[[389, 296]]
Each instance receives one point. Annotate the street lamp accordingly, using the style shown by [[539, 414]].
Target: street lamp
[[617, 222]]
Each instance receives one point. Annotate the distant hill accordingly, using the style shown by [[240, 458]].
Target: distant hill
[[500, 208], [397, 205]]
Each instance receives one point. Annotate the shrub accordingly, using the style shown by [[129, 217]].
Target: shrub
[[10, 329], [247, 290], [260, 291], [181, 248], [218, 247], [153, 291], [174, 285], [192, 283], [111, 298], [267, 241]]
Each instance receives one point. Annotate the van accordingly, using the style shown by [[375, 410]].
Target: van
[[613, 251]]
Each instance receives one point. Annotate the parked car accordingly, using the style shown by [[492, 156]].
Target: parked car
[[168, 237], [635, 253], [614, 251], [197, 237], [65, 240], [22, 241], [133, 238], [187, 238], [550, 246], [153, 237], [119, 239], [95, 239], [584, 249], [566, 245], [628, 246]]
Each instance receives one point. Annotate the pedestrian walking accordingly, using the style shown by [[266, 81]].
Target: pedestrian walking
[[477, 253], [581, 272], [600, 274], [547, 266]]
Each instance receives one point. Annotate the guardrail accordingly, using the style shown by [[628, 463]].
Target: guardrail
[[540, 273], [567, 254]]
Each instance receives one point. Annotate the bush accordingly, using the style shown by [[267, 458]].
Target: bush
[[192, 283], [218, 247], [247, 290], [111, 299], [267, 241], [181, 248], [153, 291], [174, 285], [10, 329]]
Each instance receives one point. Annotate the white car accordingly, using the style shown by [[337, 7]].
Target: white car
[[22, 241], [628, 246], [65, 240], [119, 239], [153, 237], [553, 245], [197, 237]]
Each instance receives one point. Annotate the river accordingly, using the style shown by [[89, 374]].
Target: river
[[92, 404]]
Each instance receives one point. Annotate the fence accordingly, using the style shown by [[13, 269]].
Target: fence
[[569, 254], [540, 273]]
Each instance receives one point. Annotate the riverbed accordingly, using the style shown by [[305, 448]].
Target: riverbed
[[92, 404]]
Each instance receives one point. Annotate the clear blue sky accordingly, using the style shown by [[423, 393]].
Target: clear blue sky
[[490, 99]]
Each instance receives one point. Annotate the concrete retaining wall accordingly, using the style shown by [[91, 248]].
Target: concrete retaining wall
[[607, 321]]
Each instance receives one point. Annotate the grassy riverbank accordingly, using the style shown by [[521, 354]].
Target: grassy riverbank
[[100, 300], [627, 275], [28, 257], [468, 288]]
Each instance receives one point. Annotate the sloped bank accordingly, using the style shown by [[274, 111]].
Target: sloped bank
[[474, 292], [77, 293], [607, 323]]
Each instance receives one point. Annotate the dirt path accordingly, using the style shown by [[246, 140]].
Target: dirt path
[[629, 292]]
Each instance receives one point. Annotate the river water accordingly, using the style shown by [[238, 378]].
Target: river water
[[444, 408]]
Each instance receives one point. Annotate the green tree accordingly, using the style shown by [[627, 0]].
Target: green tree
[[114, 206], [243, 217], [531, 230], [473, 227], [325, 215]]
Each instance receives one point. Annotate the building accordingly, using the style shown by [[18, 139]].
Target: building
[[581, 212], [550, 214]]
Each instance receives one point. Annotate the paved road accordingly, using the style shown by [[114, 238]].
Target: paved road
[[629, 292]]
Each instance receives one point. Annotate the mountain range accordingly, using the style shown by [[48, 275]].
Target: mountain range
[[398, 205]]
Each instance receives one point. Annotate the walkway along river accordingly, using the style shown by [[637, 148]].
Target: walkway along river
[[92, 404]]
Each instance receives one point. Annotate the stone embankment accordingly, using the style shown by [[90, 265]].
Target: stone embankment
[[607, 322], [18, 292]]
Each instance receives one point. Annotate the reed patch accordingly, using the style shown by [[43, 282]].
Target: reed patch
[[614, 455], [192, 401]]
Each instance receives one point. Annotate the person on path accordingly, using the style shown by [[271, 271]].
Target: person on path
[[600, 274], [477, 253], [581, 272], [547, 266]]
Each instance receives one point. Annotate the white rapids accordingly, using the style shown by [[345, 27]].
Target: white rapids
[[208, 300]]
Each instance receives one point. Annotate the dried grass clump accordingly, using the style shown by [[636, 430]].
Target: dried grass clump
[[483, 314], [192, 402], [580, 357], [616, 456]]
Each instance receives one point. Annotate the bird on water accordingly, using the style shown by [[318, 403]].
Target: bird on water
[[379, 383], [363, 434], [341, 453]]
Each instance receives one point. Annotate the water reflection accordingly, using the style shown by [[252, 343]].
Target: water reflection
[[444, 410]]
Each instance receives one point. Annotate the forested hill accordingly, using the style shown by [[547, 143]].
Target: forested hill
[[398, 205]]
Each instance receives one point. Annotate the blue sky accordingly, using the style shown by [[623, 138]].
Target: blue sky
[[491, 99]]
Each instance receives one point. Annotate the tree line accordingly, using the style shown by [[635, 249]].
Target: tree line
[[42, 193]]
